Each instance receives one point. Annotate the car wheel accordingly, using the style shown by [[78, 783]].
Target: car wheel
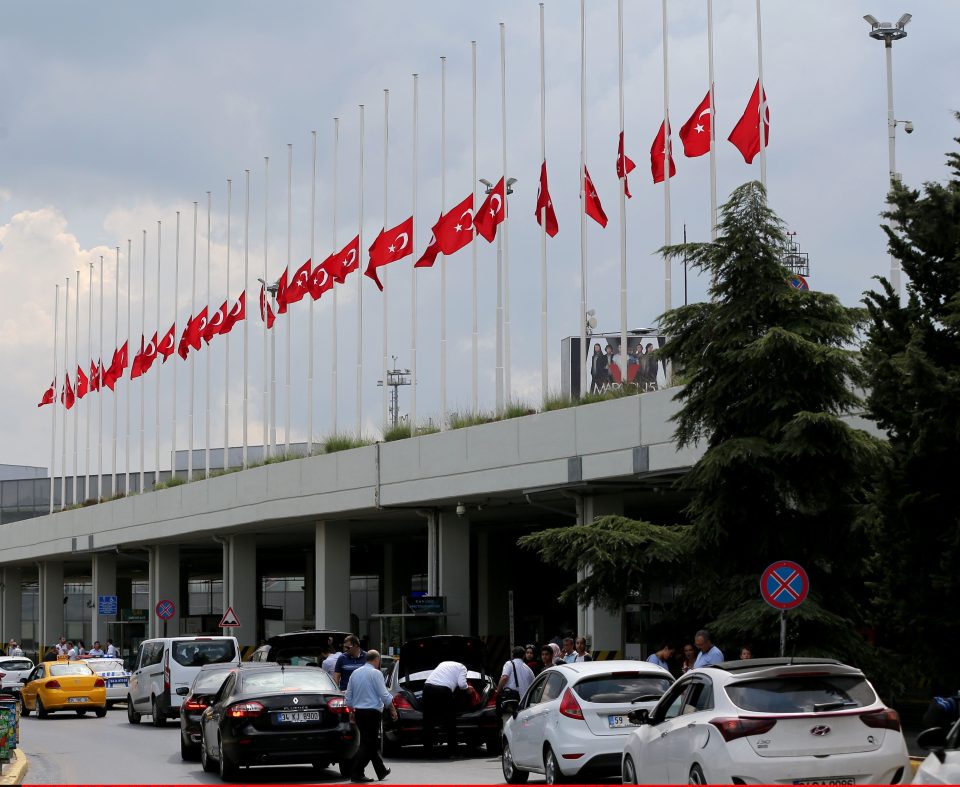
[[158, 719], [551, 768], [511, 774], [132, 716], [629, 771], [228, 768], [41, 711], [206, 762], [696, 775], [81, 712], [100, 712]]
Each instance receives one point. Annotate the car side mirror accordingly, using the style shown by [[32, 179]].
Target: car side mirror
[[183, 691], [934, 740], [24, 680], [640, 716], [510, 706]]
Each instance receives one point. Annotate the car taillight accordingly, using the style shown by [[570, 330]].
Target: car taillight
[[491, 700], [735, 727], [401, 703], [883, 719], [53, 684], [193, 704], [166, 672], [569, 706], [99, 683], [245, 710], [338, 706]]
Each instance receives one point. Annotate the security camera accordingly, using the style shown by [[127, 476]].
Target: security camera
[[461, 509], [908, 126]]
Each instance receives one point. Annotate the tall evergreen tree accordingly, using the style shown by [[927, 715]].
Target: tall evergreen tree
[[913, 363], [768, 373]]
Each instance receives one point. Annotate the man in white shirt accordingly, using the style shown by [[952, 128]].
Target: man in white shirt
[[439, 706], [515, 673], [96, 651], [112, 649]]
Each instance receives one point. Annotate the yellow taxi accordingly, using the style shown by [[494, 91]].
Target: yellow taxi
[[63, 685]]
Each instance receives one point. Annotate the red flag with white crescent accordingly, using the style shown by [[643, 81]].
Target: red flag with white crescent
[[237, 313], [658, 153], [215, 325], [266, 312], [695, 133], [49, 396], [491, 213], [390, 245], [136, 368], [545, 204], [746, 134], [321, 280], [282, 293], [624, 167], [95, 369], [83, 385], [168, 344], [591, 202], [453, 231], [66, 395]]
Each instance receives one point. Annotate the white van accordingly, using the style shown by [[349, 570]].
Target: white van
[[164, 671]]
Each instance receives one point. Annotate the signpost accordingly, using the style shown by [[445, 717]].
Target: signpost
[[784, 585], [106, 605], [165, 610]]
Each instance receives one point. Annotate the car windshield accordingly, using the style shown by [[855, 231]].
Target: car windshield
[[113, 665], [196, 653], [210, 682], [303, 656], [622, 687], [59, 670], [802, 694], [307, 680]]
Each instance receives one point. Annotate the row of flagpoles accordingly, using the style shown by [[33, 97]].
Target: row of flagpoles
[[457, 228]]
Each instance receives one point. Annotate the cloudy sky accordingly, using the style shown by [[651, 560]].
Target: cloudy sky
[[115, 115]]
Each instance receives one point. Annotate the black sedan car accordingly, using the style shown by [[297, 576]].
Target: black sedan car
[[477, 721], [271, 714], [198, 698]]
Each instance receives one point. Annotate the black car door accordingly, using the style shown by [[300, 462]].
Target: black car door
[[212, 716]]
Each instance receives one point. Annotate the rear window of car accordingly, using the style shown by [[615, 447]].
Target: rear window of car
[[807, 694], [288, 681], [191, 653], [106, 666], [622, 688], [16, 664], [304, 656], [58, 670], [210, 682]]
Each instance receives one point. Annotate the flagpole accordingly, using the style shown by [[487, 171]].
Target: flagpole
[[66, 379], [156, 413], [143, 379], [383, 275], [582, 318], [289, 321], [313, 264], [359, 393], [623, 204], [53, 426], [226, 356], [443, 262], [508, 388], [475, 335], [333, 312], [100, 397], [246, 330], [173, 387], [193, 357], [76, 419], [266, 304], [116, 393], [206, 417], [544, 362], [413, 270], [763, 103], [86, 464], [128, 392], [667, 154], [713, 135]]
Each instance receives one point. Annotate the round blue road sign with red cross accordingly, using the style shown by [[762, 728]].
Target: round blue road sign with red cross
[[166, 609], [784, 584]]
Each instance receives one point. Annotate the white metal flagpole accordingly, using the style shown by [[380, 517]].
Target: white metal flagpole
[[53, 406], [763, 101], [383, 275], [246, 320], [505, 229], [206, 418], [313, 265], [76, 416], [359, 393], [66, 378], [266, 306], [127, 392], [156, 408], [289, 320], [173, 385], [334, 397], [443, 262], [582, 317], [143, 379], [193, 356], [116, 393], [623, 205], [544, 362], [100, 397], [86, 464], [475, 334], [226, 344], [413, 270], [667, 154], [713, 126]]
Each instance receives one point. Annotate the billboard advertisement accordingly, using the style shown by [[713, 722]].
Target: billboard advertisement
[[645, 371]]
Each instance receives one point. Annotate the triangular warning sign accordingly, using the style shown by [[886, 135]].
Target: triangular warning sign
[[229, 619]]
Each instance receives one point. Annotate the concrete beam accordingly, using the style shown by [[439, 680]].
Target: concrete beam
[[50, 587], [240, 586], [103, 582], [454, 569], [165, 585]]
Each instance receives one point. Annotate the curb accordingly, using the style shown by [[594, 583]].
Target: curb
[[16, 771]]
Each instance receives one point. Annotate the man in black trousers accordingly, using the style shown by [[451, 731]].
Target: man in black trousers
[[439, 703], [367, 695]]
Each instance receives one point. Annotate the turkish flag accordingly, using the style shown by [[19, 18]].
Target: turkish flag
[[49, 395], [83, 385], [95, 370], [169, 343], [453, 231], [282, 293], [137, 368], [390, 245], [266, 312], [695, 133], [150, 353], [216, 322], [345, 261], [66, 396], [657, 154], [432, 251], [237, 313], [544, 203], [299, 283], [624, 167], [117, 365], [321, 280], [183, 348], [591, 202], [491, 213], [196, 328], [746, 134]]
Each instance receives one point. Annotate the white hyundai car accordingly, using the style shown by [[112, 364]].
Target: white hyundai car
[[573, 720], [942, 765], [768, 721]]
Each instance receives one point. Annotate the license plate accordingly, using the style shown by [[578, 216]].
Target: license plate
[[78, 699], [298, 717], [118, 682], [837, 780], [619, 721]]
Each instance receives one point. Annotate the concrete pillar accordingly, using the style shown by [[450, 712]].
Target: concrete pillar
[[332, 576], [433, 555], [103, 582], [165, 584], [454, 569], [240, 586], [50, 600], [601, 628], [309, 590], [10, 589]]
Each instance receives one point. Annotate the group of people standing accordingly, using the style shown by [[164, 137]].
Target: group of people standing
[[700, 653], [569, 651], [76, 650], [641, 367]]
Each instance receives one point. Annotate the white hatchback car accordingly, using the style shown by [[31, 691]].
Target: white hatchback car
[[942, 765], [769, 721], [573, 720]]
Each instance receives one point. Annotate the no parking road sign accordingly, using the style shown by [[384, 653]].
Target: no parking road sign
[[784, 585], [166, 609]]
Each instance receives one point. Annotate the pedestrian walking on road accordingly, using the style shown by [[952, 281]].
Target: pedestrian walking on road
[[515, 679], [367, 695], [439, 703], [351, 659], [709, 653]]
